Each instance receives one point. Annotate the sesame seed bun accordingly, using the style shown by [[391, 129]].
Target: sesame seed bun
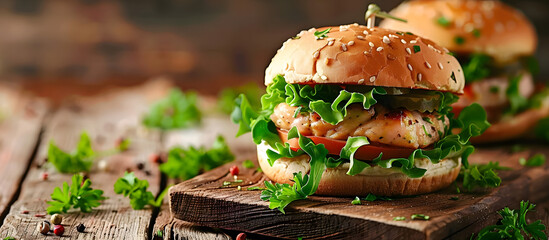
[[488, 27], [375, 180], [357, 55]]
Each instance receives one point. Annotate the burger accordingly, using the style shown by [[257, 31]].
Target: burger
[[351, 110], [495, 45]]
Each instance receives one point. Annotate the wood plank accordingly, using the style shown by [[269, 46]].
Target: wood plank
[[106, 119], [201, 200], [21, 118], [203, 135]]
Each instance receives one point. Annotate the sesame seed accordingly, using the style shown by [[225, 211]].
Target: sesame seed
[[379, 49], [440, 66], [408, 51], [361, 81], [365, 32], [413, 41], [386, 40], [372, 78], [410, 67], [428, 65], [355, 24], [371, 44], [316, 54], [360, 37], [419, 76], [403, 41], [351, 43], [366, 52], [330, 43], [323, 77], [344, 47], [330, 39]]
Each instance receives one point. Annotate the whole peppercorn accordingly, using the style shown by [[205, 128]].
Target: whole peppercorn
[[43, 227], [58, 230], [56, 219], [234, 170], [80, 227]]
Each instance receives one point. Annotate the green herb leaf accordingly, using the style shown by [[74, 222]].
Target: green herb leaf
[[322, 34], [356, 201], [454, 198], [481, 175], [459, 40], [185, 163], [136, 189], [517, 102], [417, 48], [477, 67], [177, 110], [159, 233], [371, 197], [248, 164], [78, 195], [494, 89], [226, 97], [420, 217], [535, 161], [399, 218], [80, 161], [513, 225], [255, 188], [476, 33], [442, 21], [531, 64]]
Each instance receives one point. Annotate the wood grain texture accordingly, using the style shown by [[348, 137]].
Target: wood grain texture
[[204, 135], [203, 201], [21, 118], [106, 119]]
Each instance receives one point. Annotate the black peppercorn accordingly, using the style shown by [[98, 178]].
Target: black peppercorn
[[80, 227]]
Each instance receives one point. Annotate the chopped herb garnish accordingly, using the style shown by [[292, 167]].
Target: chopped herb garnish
[[409, 33], [400, 33], [426, 119], [298, 111], [417, 48], [494, 89], [442, 21], [322, 34], [514, 225], [356, 201], [459, 40], [255, 188], [518, 148], [227, 183], [399, 218], [420, 217], [248, 164], [159, 233], [372, 197], [454, 198], [453, 76], [296, 37], [476, 33], [517, 102], [426, 133], [534, 161]]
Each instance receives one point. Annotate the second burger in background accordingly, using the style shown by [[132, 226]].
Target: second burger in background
[[495, 45], [352, 110]]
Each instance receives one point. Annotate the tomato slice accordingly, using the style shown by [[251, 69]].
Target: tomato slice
[[365, 153]]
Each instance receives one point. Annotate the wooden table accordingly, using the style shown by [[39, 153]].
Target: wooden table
[[29, 123]]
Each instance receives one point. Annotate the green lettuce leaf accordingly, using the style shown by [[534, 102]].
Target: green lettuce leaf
[[477, 67], [517, 102]]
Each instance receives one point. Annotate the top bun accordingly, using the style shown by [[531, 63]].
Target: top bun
[[467, 26], [357, 55]]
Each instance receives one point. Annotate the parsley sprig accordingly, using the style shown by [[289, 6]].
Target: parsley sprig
[[82, 158], [322, 34], [78, 195], [177, 110], [534, 161], [481, 175], [136, 189], [514, 226], [185, 163]]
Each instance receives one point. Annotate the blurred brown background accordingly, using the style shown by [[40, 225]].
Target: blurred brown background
[[201, 44]]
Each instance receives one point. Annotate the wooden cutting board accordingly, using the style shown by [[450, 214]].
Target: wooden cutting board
[[204, 201]]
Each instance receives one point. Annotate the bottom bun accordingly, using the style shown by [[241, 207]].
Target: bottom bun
[[375, 180], [514, 126]]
